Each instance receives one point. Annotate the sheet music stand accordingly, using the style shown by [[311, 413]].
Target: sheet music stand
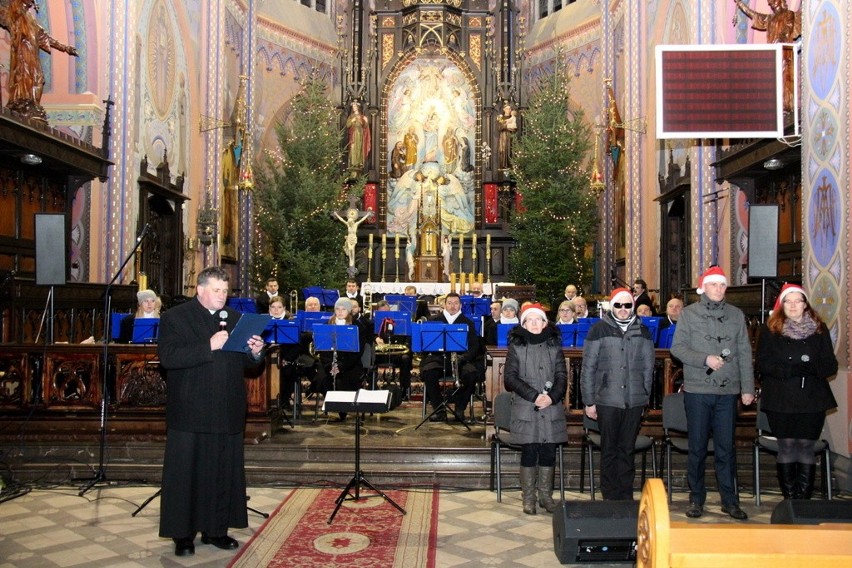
[[401, 321], [308, 319], [358, 402], [335, 338], [145, 330], [329, 297], [442, 338], [243, 305], [405, 303], [475, 308], [282, 332], [115, 322]]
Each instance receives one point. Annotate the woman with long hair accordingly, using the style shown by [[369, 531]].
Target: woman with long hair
[[795, 359]]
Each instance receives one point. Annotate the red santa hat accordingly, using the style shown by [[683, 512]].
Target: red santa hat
[[712, 274], [533, 310], [621, 295], [786, 289]]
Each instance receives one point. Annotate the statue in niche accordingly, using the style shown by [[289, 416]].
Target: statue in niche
[[358, 133], [26, 76], [507, 125]]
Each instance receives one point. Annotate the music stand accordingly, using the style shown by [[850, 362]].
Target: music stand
[[145, 330], [405, 303], [242, 305], [475, 308], [308, 319], [503, 330], [117, 318], [335, 338], [442, 338], [282, 332], [359, 402], [401, 327], [329, 297]]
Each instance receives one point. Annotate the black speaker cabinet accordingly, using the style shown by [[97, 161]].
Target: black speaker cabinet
[[811, 512], [763, 241], [50, 263], [595, 531]]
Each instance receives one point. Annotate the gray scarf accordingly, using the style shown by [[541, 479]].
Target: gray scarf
[[801, 329]]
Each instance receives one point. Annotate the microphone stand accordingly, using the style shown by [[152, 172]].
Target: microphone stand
[[100, 474]]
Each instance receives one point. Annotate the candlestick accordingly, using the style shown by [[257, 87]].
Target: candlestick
[[462, 278], [452, 281], [370, 246]]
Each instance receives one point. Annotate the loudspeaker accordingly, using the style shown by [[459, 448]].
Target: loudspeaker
[[763, 241], [811, 512], [595, 531], [50, 260]]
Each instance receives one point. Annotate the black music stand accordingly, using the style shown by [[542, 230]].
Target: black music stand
[[444, 338], [401, 321], [359, 402], [282, 332], [335, 338]]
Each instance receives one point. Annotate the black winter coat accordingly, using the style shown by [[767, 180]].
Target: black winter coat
[[787, 383]]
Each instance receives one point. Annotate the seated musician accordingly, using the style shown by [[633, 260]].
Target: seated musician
[[343, 370], [402, 360], [435, 366], [148, 306], [508, 314], [294, 359]]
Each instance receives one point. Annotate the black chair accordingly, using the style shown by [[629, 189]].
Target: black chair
[[502, 438], [592, 441], [675, 436], [765, 442]]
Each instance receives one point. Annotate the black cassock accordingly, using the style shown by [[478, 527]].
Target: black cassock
[[204, 486]]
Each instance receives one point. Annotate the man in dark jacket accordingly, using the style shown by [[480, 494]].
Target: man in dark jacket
[[711, 340], [436, 365], [204, 485], [618, 367]]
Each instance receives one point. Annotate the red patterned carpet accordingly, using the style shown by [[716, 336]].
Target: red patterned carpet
[[369, 532]]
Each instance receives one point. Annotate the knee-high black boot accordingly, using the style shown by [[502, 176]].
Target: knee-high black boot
[[787, 479], [805, 480]]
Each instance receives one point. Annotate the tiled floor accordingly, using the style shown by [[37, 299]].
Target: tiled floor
[[57, 528]]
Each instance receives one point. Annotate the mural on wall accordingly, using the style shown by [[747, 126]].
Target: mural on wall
[[431, 133]]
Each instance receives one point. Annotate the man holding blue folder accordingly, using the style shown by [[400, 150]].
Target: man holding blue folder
[[204, 484]]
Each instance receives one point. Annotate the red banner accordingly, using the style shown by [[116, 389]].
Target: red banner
[[370, 201], [492, 207]]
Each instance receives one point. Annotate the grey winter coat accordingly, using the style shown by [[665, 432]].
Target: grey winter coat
[[618, 366], [708, 328], [531, 361]]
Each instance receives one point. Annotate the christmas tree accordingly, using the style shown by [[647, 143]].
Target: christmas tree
[[297, 239], [556, 224]]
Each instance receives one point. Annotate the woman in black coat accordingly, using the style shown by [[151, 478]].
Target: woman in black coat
[[795, 359], [537, 375]]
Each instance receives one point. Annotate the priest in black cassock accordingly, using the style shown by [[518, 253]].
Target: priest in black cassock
[[204, 484]]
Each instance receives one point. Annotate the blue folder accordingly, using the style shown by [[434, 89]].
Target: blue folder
[[308, 319], [401, 321], [583, 328], [115, 324], [145, 330], [503, 330], [405, 303], [330, 337], [242, 305], [569, 333], [281, 332], [653, 325], [666, 337], [438, 337]]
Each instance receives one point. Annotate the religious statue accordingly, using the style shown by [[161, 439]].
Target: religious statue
[[358, 133], [447, 254], [410, 249], [397, 160], [411, 141], [451, 150], [781, 26], [26, 77], [507, 125], [351, 223]]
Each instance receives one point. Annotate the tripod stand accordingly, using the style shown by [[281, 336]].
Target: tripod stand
[[347, 401], [160, 491], [446, 338], [100, 474]]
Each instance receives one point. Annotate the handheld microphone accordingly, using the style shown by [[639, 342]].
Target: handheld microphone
[[223, 320], [547, 386], [724, 355]]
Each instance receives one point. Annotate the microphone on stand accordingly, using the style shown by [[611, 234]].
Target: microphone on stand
[[724, 355], [223, 320], [144, 232], [547, 386]]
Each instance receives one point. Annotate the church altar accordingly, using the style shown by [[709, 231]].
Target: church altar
[[423, 288]]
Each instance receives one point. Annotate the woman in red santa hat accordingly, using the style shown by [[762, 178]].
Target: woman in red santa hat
[[795, 358]]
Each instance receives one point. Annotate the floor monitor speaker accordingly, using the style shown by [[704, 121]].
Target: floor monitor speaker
[[50, 263], [811, 512], [595, 531]]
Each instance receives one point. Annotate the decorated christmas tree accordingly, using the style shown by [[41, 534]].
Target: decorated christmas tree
[[297, 239], [555, 225]]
